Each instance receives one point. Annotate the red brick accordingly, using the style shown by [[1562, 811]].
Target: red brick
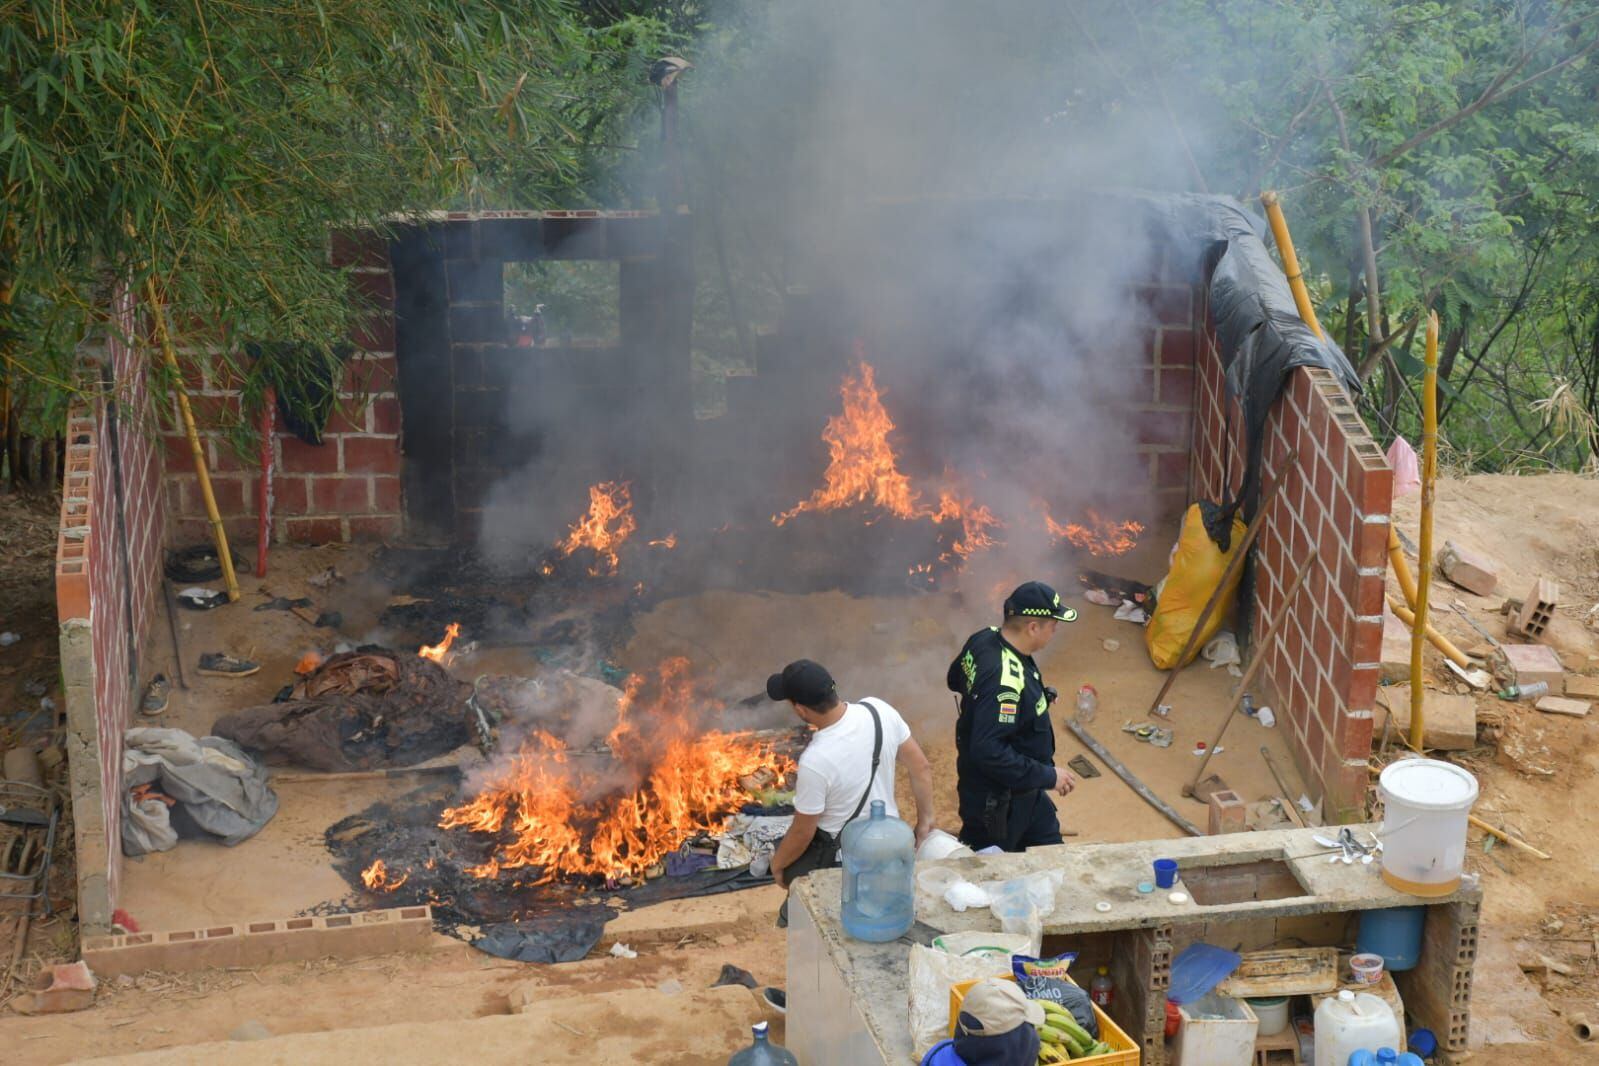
[[1366, 643], [1371, 550], [1168, 428], [1375, 491], [313, 530], [349, 416], [176, 452], [379, 527], [358, 248], [341, 495], [385, 415], [290, 495], [1361, 690], [376, 288], [1356, 741], [1369, 594], [386, 494], [1176, 386], [1177, 348], [374, 332], [229, 494], [1168, 304], [214, 412], [372, 455], [302, 458], [376, 374]]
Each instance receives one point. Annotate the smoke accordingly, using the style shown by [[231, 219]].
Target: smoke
[[943, 183]]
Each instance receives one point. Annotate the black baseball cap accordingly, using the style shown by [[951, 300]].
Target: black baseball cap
[[1037, 600], [803, 681]]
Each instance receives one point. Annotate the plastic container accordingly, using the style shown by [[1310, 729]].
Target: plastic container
[[762, 1052], [1351, 1022], [1272, 1012], [1087, 704], [1536, 690], [1425, 806], [879, 859], [1165, 873], [1385, 1056], [1102, 990], [1395, 934], [940, 845], [1216, 1031], [1124, 1050], [1366, 969]]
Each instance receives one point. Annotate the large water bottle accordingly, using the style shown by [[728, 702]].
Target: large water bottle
[[879, 877], [762, 1052]]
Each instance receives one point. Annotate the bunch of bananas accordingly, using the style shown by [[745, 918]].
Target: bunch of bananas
[[1063, 1039]]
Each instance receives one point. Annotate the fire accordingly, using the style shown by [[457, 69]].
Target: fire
[[376, 877], [1097, 535], [440, 652], [668, 542], [862, 468], [666, 781], [607, 524]]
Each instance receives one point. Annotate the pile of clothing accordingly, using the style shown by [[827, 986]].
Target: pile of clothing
[[178, 787]]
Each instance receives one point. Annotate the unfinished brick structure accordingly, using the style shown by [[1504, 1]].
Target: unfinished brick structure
[[108, 560]]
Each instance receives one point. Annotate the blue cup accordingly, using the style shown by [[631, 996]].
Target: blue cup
[[1165, 873]]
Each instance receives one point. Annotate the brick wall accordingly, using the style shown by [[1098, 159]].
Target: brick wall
[[1322, 670], [108, 560], [1164, 406], [346, 488]]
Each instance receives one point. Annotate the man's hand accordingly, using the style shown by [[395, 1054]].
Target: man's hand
[[924, 829], [1065, 781], [777, 877]]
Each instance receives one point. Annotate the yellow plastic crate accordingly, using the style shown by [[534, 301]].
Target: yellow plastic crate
[[1124, 1050]]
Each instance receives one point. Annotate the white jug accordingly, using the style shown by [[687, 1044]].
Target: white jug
[[1351, 1022]]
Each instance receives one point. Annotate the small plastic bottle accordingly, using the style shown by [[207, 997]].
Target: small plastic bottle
[[762, 1052], [1087, 704], [1248, 706], [1536, 690], [1102, 990]]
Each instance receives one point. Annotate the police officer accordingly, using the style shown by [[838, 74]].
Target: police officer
[[1004, 742]]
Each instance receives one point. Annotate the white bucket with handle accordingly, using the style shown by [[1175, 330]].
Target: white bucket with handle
[[1426, 803]]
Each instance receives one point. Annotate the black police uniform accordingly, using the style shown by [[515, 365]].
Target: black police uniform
[[1005, 746]]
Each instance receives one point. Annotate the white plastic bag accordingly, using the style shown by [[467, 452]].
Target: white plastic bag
[[1222, 650], [932, 972]]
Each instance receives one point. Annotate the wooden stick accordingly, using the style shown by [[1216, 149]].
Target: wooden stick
[[1255, 663], [1233, 566], [1131, 780], [1276, 775], [1521, 845], [362, 775], [1429, 471]]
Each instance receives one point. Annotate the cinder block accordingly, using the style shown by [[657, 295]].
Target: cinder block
[[1537, 610], [1531, 663], [1227, 813], [1472, 572]]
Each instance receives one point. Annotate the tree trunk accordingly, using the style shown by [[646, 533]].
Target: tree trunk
[[50, 472]]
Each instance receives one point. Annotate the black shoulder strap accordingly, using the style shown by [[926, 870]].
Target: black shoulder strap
[[877, 754]]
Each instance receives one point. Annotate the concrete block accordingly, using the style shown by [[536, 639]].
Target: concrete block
[[1395, 648], [1227, 812], [1586, 688], [1562, 705], [1449, 722], [1537, 610], [375, 932], [1472, 572], [57, 990], [1531, 663]]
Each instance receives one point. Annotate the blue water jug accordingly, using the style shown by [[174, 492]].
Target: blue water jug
[[1395, 934], [879, 858], [762, 1052], [1384, 1056]]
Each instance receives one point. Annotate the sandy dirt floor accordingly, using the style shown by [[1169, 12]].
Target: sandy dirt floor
[[897, 648]]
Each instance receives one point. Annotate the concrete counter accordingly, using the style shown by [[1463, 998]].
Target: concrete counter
[[848, 1000]]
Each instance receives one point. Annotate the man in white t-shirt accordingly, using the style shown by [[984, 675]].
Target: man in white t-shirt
[[835, 782]]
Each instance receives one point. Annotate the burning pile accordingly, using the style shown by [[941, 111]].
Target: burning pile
[[616, 814], [1097, 535], [608, 523], [863, 470]]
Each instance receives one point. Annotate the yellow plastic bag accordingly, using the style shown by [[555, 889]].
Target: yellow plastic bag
[[1196, 570]]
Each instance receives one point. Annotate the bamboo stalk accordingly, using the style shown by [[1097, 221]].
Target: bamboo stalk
[[218, 534], [1285, 248], [1396, 559], [1506, 837], [1437, 639], [1429, 471]]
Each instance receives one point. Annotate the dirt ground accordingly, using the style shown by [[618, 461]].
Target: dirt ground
[[897, 649]]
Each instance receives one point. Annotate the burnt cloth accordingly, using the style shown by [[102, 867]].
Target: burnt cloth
[[361, 710]]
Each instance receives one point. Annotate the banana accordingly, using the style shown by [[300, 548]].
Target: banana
[[1051, 1035]]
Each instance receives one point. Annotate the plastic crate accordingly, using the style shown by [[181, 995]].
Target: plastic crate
[[1124, 1050]]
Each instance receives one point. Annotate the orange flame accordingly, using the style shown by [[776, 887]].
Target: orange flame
[[376, 877], [665, 782], [862, 468], [668, 542], [440, 652], [608, 523], [1097, 535]]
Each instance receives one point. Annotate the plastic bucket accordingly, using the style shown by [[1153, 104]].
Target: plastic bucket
[[1272, 1012], [1395, 934], [1425, 806], [940, 845]]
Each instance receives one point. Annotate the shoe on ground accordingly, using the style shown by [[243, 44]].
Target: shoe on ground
[[156, 696], [734, 975], [219, 665], [776, 998]]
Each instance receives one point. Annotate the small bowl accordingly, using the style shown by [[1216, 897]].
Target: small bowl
[[1367, 969]]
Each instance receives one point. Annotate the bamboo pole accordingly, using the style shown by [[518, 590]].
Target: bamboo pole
[[1429, 471], [1396, 559], [218, 534], [1285, 248], [1437, 639], [1506, 837]]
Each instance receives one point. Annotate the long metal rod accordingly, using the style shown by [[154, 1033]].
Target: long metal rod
[[172, 626], [1254, 667], [1289, 807], [1132, 781], [1233, 566]]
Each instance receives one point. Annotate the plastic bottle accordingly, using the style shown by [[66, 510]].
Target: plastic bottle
[[762, 1052], [1352, 1022], [879, 858], [1385, 1056], [1536, 690], [1087, 704], [1102, 990]]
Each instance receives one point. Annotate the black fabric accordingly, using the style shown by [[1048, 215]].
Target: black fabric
[[562, 936], [1011, 822], [1004, 741]]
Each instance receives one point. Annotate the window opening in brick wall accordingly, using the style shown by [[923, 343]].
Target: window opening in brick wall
[[563, 302]]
